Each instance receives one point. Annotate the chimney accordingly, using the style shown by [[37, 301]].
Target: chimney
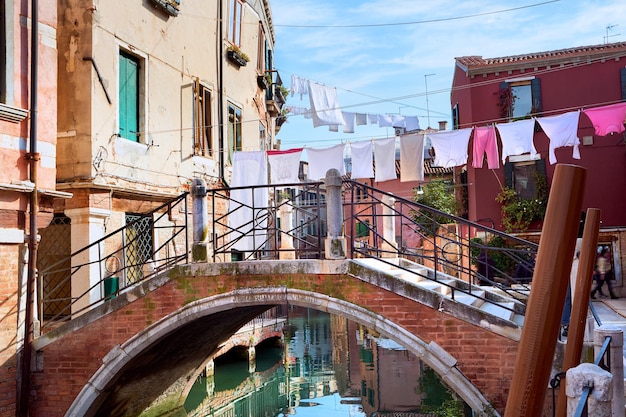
[[443, 125]]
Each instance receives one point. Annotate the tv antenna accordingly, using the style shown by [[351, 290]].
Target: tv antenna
[[610, 27]]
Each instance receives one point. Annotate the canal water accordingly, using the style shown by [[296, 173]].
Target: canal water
[[325, 366]]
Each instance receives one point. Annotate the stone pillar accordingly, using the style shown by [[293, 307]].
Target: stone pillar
[[87, 227], [588, 374], [199, 248], [617, 363], [286, 239], [389, 246], [335, 242]]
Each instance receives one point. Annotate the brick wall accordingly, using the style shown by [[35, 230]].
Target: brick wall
[[9, 263], [485, 358]]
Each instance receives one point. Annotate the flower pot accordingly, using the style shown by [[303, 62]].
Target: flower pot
[[236, 58]]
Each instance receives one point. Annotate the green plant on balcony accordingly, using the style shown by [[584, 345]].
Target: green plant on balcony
[[518, 213]]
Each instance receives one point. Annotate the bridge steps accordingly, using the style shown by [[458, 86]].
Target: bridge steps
[[488, 299]]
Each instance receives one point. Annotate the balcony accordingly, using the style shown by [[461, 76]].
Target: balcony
[[275, 95]]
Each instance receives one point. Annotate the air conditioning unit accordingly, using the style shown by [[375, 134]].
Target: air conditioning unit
[[400, 131]]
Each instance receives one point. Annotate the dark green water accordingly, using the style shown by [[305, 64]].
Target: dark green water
[[327, 366]]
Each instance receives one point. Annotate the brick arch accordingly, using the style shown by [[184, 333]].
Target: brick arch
[[95, 399]]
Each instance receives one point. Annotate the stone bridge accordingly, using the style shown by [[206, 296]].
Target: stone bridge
[[118, 358]]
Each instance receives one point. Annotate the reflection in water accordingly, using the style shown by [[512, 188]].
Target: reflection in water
[[329, 366]]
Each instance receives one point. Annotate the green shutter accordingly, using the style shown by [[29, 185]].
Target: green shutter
[[129, 97]]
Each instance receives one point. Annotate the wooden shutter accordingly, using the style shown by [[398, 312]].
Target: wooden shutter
[[508, 174], [129, 97], [535, 90], [622, 74]]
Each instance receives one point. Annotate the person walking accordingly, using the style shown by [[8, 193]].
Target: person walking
[[603, 273]]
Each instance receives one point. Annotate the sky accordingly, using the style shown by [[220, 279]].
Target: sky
[[397, 51]]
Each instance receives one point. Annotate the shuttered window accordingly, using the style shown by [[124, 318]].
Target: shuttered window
[[525, 98], [129, 97], [522, 176], [203, 138], [234, 130]]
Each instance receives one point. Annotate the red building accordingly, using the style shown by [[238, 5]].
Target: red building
[[502, 90]]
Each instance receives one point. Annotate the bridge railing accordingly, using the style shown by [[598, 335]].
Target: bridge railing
[[449, 245], [264, 222], [290, 223], [147, 245]]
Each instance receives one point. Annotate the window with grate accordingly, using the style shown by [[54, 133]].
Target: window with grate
[[138, 245], [54, 265]]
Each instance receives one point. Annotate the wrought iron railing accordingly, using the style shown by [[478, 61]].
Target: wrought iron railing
[[447, 244], [253, 227], [146, 245]]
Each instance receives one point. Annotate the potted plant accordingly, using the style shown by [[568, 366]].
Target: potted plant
[[518, 213], [237, 56]]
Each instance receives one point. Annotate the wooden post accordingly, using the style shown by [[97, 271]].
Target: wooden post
[[547, 297], [580, 301]]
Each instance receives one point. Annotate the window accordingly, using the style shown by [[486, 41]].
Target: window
[[129, 96], [138, 245], [524, 98], [362, 228], [523, 177], [203, 139], [235, 14], [456, 122], [262, 138], [234, 129], [260, 64]]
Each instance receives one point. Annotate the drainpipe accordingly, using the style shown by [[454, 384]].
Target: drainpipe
[[220, 91], [33, 159]]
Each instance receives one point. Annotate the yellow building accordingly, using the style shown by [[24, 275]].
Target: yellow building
[[152, 95]]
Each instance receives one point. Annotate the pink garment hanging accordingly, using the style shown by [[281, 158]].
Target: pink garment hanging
[[450, 147], [607, 119], [284, 166], [562, 130], [485, 142]]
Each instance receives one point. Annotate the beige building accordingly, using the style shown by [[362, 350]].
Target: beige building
[[152, 95]]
